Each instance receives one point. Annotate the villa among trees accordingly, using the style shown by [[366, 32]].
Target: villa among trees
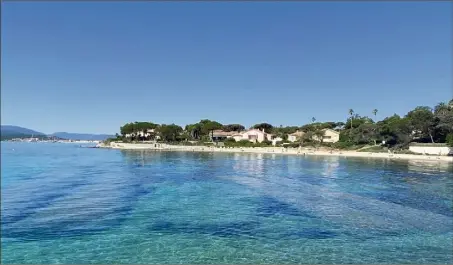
[[423, 124]]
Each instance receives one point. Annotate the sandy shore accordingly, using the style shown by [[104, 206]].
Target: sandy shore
[[275, 150]]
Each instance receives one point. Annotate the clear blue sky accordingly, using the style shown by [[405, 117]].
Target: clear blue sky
[[91, 67]]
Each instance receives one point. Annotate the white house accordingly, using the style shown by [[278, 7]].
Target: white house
[[237, 136], [330, 136], [149, 132], [220, 135], [255, 135], [275, 140]]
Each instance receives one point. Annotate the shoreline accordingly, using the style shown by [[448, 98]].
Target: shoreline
[[275, 150]]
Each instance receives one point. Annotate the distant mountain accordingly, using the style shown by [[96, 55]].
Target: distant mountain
[[16, 130], [82, 136], [11, 131]]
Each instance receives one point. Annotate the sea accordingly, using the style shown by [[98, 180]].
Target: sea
[[66, 203]]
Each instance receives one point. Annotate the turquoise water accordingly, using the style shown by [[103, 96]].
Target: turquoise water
[[65, 204]]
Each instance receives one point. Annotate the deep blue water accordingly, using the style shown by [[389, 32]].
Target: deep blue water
[[65, 204]]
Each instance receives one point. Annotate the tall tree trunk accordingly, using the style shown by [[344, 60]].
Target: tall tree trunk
[[431, 136], [350, 132]]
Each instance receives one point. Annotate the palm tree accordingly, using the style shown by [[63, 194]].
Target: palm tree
[[351, 113], [441, 108], [375, 111]]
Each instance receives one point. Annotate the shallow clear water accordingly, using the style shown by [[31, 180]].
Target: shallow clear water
[[65, 204]]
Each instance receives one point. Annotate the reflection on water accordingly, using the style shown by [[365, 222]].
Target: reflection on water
[[425, 167], [73, 205]]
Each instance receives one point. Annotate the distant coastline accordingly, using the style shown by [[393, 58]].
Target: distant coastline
[[47, 140]]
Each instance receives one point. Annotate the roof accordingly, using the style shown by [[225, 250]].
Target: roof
[[298, 133], [254, 130], [330, 130], [217, 133]]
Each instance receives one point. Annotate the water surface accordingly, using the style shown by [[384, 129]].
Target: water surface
[[65, 204]]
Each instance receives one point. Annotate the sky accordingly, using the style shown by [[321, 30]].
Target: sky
[[91, 67]]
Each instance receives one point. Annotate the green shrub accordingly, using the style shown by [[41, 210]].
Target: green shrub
[[292, 145], [343, 145], [307, 143], [241, 143], [247, 143], [244, 143], [265, 143], [113, 139], [449, 139]]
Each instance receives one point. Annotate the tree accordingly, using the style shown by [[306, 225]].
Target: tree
[[307, 137], [233, 127], [419, 124], [169, 133], [422, 122], [449, 139], [210, 126], [395, 131], [443, 115], [329, 125], [364, 134], [136, 128], [357, 120], [203, 128], [441, 108], [375, 111], [263, 126], [319, 135], [351, 113], [194, 130]]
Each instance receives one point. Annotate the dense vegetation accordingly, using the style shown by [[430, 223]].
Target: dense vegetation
[[422, 124]]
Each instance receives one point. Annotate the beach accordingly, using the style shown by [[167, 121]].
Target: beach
[[274, 150]]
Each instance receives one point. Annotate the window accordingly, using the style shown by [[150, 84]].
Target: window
[[327, 137]]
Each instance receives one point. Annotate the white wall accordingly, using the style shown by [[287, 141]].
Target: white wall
[[238, 138], [431, 150], [260, 136], [334, 136], [275, 140]]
